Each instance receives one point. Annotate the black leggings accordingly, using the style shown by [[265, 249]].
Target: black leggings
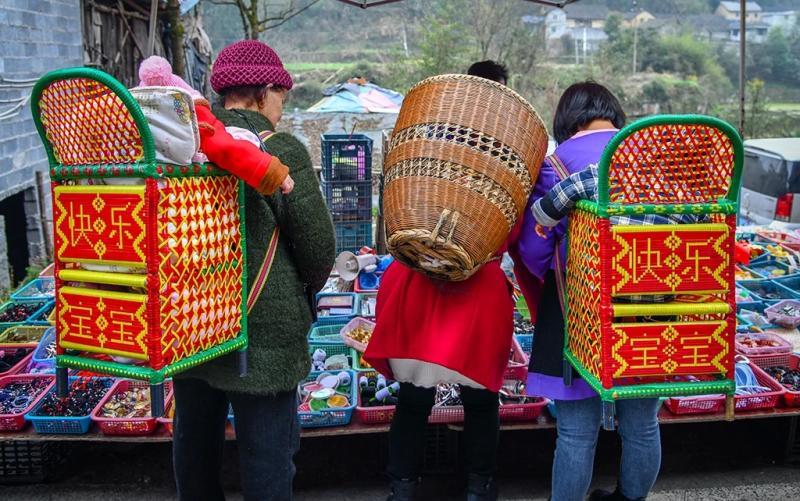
[[407, 435]]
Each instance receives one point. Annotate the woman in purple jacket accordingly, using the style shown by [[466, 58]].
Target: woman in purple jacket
[[587, 117]]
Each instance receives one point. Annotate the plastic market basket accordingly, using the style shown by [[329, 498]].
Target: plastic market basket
[[330, 417], [26, 335], [40, 289], [64, 424], [16, 421], [127, 426]]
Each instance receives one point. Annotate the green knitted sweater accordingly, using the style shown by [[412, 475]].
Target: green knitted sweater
[[279, 322]]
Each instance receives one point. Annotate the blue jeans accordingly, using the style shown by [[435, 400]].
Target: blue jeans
[[578, 424], [267, 433]]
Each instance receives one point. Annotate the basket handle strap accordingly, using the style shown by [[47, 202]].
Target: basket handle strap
[[263, 273], [561, 272]]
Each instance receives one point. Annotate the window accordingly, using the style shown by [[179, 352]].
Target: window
[[770, 174]]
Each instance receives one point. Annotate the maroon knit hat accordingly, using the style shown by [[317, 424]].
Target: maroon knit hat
[[249, 62]]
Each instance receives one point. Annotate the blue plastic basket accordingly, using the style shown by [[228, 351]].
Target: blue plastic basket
[[525, 342], [40, 317], [330, 417], [40, 361], [352, 236], [31, 320], [769, 291], [339, 318], [346, 157], [326, 333], [64, 425], [41, 289], [763, 267], [792, 282]]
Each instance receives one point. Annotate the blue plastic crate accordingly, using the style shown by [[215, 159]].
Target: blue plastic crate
[[769, 291], [353, 236], [346, 157], [348, 201], [64, 425], [41, 289], [330, 417]]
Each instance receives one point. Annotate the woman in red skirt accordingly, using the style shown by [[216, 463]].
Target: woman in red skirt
[[431, 332]]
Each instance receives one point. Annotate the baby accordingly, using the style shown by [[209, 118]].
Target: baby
[[236, 150]]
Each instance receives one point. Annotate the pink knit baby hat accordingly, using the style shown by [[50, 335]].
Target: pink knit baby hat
[[156, 71], [249, 62]]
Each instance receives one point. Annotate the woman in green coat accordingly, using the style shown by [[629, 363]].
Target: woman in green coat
[[253, 83]]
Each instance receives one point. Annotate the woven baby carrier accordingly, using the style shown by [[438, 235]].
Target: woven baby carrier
[[149, 256], [664, 165], [462, 160]]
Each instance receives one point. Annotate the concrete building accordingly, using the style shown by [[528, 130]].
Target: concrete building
[[36, 36], [731, 11]]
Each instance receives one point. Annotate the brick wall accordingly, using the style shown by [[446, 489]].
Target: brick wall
[[36, 36]]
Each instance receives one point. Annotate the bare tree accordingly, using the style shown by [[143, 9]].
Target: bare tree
[[259, 16]]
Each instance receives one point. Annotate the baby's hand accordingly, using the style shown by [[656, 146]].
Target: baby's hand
[[287, 185], [541, 231]]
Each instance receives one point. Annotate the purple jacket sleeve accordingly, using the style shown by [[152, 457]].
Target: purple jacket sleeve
[[536, 252]]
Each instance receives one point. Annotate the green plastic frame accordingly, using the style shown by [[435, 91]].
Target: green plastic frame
[[603, 209], [148, 167]]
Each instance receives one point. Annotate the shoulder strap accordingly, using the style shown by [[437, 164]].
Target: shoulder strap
[[561, 271], [263, 272]]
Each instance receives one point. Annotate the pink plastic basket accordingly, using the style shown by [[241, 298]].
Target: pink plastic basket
[[776, 316], [451, 414], [22, 365], [352, 325], [770, 360], [127, 426], [16, 421], [783, 346]]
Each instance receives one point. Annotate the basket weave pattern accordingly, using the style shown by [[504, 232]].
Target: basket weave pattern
[[87, 123], [462, 160], [632, 350]]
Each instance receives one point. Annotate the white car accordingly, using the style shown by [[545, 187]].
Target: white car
[[770, 193]]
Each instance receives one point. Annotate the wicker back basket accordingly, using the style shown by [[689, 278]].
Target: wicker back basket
[[462, 160]]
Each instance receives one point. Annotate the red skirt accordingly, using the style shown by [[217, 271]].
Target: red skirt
[[463, 326]]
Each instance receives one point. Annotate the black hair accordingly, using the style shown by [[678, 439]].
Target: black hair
[[490, 70], [246, 93], [581, 104]]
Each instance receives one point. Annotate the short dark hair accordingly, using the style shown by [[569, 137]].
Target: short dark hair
[[580, 105], [490, 70]]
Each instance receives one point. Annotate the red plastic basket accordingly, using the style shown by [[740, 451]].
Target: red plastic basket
[[127, 426], [791, 398], [518, 362], [770, 360], [784, 346], [373, 415], [695, 405], [758, 401], [16, 421]]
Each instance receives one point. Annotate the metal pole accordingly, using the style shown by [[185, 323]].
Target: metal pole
[[151, 40], [742, 49]]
